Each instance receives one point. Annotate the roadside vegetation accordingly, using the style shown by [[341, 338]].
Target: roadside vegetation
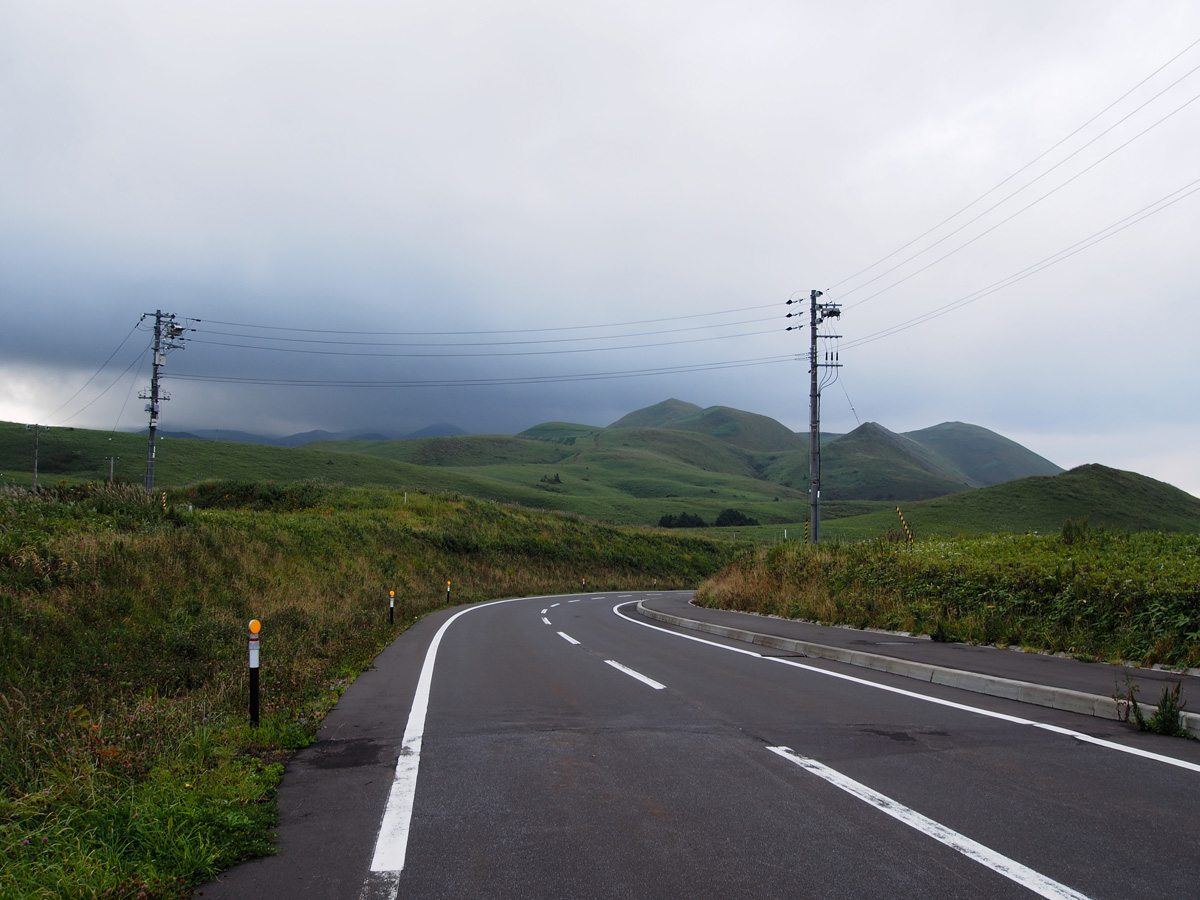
[[1083, 591], [127, 765]]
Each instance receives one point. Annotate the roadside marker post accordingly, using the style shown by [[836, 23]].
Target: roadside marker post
[[447, 593], [391, 607], [255, 628]]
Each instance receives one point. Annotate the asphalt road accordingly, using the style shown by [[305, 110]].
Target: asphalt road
[[571, 748]]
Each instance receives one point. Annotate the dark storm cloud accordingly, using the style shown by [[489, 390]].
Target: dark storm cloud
[[470, 167]]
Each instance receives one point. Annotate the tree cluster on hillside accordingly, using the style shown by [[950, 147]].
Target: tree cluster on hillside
[[725, 518]]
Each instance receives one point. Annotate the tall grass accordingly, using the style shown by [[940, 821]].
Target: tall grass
[[1117, 597], [127, 768]]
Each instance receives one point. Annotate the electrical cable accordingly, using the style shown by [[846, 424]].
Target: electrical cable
[[507, 331], [475, 382], [480, 355], [96, 374], [1033, 161], [1009, 218], [477, 343], [132, 384], [1097, 237]]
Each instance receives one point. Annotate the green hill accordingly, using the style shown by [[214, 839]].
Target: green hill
[[749, 431], [984, 457], [657, 416], [702, 462], [872, 463], [1108, 498]]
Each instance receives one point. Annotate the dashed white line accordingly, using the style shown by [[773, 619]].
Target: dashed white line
[[544, 611], [544, 619], [574, 601], [638, 675], [566, 637], [1009, 868], [552, 605]]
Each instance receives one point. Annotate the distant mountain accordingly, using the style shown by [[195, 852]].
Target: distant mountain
[[657, 416], [872, 463], [441, 429], [750, 431], [983, 456]]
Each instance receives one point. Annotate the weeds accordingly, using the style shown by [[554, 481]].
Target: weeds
[[1086, 592], [127, 765], [1167, 717]]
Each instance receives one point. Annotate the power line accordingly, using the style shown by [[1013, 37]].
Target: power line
[[1026, 166], [1009, 218], [473, 382], [503, 331], [475, 343], [1103, 234], [95, 375], [408, 355], [137, 359]]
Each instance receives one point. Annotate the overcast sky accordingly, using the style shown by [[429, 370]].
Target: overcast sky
[[505, 196]]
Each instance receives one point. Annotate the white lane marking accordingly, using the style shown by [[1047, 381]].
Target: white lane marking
[[638, 675], [392, 842], [544, 611], [544, 619], [597, 598], [552, 605], [566, 637], [998, 862], [623, 596], [574, 601], [1004, 717], [688, 637]]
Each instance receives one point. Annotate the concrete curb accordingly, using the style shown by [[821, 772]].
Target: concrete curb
[[992, 685]]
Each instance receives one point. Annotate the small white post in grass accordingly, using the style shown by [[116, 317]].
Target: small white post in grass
[[391, 607]]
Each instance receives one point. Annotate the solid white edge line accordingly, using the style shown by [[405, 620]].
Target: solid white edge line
[[391, 845], [638, 675], [997, 862], [566, 637], [979, 711]]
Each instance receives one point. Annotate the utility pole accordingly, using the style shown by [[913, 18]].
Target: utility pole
[[818, 313], [111, 460], [167, 336], [37, 430]]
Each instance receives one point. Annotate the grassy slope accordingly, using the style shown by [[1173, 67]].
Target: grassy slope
[[657, 416], [628, 475], [986, 458], [124, 752], [1109, 498], [872, 463]]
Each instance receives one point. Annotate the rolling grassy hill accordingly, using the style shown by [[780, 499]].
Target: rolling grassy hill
[[670, 458], [1113, 499]]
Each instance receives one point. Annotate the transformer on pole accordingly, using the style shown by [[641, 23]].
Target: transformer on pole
[[167, 336], [818, 313]]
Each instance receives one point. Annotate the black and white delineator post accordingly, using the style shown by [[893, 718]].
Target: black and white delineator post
[[255, 627], [391, 607]]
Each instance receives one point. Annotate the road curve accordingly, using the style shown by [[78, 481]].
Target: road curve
[[566, 747]]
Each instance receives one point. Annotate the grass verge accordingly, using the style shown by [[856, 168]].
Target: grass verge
[[127, 769], [1086, 592]]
